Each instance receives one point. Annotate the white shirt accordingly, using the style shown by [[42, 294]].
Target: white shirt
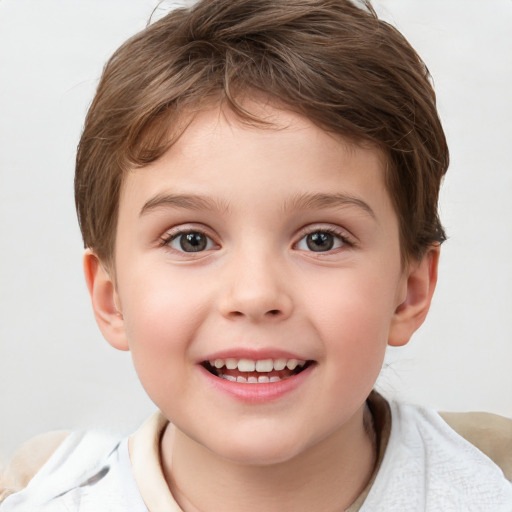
[[429, 467], [426, 467]]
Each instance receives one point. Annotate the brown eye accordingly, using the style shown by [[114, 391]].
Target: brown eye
[[320, 241], [193, 241]]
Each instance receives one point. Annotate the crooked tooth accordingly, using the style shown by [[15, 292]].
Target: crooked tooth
[[263, 379], [218, 363], [292, 364], [246, 365], [264, 365], [279, 364], [229, 377], [231, 364], [241, 379]]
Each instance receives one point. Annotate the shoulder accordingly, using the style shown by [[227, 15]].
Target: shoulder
[[53, 464], [490, 433], [482, 440], [427, 462], [28, 460]]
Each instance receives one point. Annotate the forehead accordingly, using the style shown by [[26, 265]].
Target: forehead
[[282, 157]]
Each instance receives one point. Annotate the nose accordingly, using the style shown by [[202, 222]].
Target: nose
[[256, 288]]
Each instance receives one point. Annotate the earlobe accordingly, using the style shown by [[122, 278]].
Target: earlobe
[[419, 284], [105, 302]]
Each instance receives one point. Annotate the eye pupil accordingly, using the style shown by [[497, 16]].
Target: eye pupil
[[320, 241], [193, 242]]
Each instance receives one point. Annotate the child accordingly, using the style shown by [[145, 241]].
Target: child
[[257, 188]]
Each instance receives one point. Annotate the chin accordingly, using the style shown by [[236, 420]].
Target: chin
[[259, 450]]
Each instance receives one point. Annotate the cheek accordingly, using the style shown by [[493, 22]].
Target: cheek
[[158, 307], [353, 317], [352, 304], [160, 321]]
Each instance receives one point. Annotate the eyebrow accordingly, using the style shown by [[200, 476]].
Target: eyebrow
[[299, 202], [319, 201], [185, 201]]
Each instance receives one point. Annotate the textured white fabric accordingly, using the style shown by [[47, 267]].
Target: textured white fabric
[[89, 472], [428, 467]]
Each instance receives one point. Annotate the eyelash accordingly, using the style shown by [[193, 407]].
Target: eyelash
[[341, 236], [169, 237]]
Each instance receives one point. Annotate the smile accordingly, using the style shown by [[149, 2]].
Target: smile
[[261, 371]]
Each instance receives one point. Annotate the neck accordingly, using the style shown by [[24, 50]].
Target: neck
[[327, 477]]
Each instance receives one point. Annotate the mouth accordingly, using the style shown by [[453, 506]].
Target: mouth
[[261, 371]]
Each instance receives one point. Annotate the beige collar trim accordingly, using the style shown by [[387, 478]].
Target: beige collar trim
[[144, 447]]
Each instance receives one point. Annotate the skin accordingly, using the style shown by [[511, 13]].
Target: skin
[[258, 289]]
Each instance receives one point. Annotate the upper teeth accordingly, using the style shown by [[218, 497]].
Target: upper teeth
[[260, 365]]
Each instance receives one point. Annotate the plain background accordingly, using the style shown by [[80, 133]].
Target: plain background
[[55, 369]]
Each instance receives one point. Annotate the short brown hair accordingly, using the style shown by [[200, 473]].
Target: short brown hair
[[330, 60]]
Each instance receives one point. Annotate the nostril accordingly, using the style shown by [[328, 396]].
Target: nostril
[[273, 312]]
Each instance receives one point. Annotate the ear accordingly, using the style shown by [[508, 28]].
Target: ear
[[419, 282], [104, 301]]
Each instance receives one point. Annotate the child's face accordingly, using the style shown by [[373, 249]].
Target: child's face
[[244, 243]]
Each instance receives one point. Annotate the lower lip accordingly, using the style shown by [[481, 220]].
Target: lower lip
[[257, 393]]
